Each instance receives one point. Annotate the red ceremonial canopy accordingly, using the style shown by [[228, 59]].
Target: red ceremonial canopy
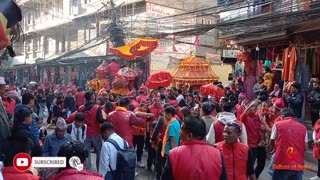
[[210, 89], [194, 71], [161, 78], [139, 47]]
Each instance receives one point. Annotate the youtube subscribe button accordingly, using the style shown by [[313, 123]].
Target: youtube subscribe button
[[22, 161], [49, 162]]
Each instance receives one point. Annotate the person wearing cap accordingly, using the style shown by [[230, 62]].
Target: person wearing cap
[[4, 120], [133, 103], [238, 157], [206, 111], [295, 100], [138, 131], [142, 94], [53, 142], [194, 159], [289, 147]]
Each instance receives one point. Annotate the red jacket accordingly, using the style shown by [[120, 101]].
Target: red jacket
[[122, 121], [11, 173], [195, 160], [141, 97], [134, 103], [139, 130], [316, 147], [73, 174], [79, 96], [10, 105], [93, 125], [290, 145], [235, 159], [156, 112], [239, 109], [252, 124]]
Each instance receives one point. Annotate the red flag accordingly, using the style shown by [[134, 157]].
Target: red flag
[[197, 41], [174, 49]]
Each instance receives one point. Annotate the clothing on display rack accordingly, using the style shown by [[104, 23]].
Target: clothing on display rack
[[239, 69], [289, 60], [248, 86]]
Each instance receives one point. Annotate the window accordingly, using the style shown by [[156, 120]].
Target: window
[[209, 21], [28, 19], [202, 21], [86, 35]]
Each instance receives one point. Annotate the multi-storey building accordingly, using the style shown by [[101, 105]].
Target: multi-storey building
[[64, 40]]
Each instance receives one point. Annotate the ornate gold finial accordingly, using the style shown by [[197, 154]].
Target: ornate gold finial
[[192, 53]]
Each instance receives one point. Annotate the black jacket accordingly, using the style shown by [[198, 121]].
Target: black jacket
[[314, 100], [20, 129]]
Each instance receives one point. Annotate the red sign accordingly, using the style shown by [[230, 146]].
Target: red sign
[[22, 161]]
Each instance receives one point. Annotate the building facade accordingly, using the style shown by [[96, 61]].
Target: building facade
[[65, 40]]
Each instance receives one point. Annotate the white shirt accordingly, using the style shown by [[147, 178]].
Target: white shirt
[[274, 134], [179, 98], [108, 154], [74, 133]]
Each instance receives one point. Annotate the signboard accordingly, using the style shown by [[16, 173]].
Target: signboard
[[213, 57], [229, 53]]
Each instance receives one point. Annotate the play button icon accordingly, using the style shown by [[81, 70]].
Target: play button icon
[[22, 161]]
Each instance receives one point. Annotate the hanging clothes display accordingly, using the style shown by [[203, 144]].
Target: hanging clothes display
[[259, 69], [248, 86], [289, 60], [262, 54], [239, 69]]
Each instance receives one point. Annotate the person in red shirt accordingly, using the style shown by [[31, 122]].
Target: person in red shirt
[[252, 123], [289, 147], [79, 96], [194, 159], [138, 131], [8, 102], [238, 157], [240, 107]]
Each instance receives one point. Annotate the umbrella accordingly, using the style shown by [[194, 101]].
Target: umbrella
[[161, 78], [128, 73], [210, 89]]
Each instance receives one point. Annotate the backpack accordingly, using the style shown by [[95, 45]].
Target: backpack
[[69, 129], [126, 162]]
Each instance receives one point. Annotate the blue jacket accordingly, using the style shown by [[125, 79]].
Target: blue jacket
[[52, 144], [34, 126], [295, 102]]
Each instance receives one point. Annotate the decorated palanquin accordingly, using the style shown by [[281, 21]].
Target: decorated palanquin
[[194, 71], [102, 80], [125, 76]]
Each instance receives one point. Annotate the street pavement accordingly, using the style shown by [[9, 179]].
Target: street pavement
[[143, 174]]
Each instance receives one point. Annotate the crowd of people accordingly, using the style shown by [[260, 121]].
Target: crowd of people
[[184, 133]]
